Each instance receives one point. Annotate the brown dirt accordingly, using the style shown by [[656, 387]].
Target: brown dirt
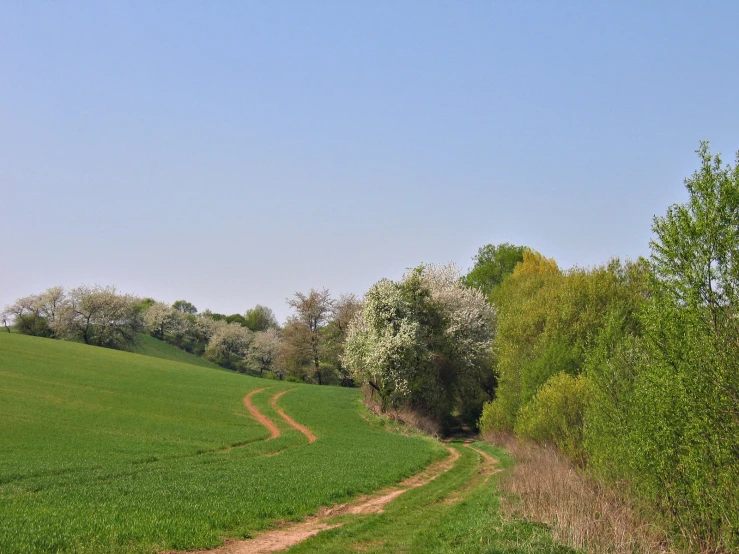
[[292, 534], [290, 421], [274, 432]]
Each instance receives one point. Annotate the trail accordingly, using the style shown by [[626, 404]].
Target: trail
[[274, 432], [290, 421], [292, 534]]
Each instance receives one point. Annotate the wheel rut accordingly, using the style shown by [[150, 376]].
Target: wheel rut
[[274, 431], [291, 534], [287, 536], [290, 421]]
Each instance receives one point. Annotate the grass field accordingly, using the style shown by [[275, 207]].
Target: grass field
[[149, 346], [107, 451], [458, 512]]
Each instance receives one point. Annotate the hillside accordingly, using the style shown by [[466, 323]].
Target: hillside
[[150, 346], [109, 451]]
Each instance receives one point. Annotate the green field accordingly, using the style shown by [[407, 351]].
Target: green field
[[108, 451], [149, 346]]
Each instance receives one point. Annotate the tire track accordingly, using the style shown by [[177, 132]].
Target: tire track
[[290, 535], [274, 431], [290, 421]]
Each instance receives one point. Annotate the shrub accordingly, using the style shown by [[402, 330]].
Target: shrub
[[555, 415]]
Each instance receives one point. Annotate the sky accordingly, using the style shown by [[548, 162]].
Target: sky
[[233, 153]]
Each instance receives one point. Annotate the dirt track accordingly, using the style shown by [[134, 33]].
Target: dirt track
[[290, 421], [290, 535], [274, 432]]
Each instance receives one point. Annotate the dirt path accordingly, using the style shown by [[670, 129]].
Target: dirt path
[[290, 421], [274, 432], [281, 539]]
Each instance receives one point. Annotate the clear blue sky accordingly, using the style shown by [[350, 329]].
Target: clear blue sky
[[231, 153]]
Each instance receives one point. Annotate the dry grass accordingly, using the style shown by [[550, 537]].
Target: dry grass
[[545, 487], [404, 416]]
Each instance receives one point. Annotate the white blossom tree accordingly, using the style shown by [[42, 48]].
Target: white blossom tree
[[264, 349], [100, 316], [161, 318], [229, 344], [421, 341]]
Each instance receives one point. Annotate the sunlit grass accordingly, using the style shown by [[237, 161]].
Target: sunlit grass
[[107, 451]]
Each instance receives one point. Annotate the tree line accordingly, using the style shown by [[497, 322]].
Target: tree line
[[632, 368], [308, 348]]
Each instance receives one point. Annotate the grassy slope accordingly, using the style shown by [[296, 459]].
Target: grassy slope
[[110, 451], [149, 346]]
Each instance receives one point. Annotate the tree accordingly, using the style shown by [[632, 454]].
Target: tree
[[27, 317], [264, 349], [260, 318], [100, 316], [686, 427], [312, 311], [161, 319], [296, 351], [335, 333], [236, 318], [229, 344], [422, 341], [185, 307], [492, 265]]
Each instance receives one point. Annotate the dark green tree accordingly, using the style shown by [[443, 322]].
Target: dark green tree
[[185, 307], [492, 265], [260, 318]]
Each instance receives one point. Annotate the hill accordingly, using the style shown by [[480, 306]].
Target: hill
[[109, 451], [150, 346]]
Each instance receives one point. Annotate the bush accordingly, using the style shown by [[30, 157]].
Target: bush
[[32, 324], [555, 415], [495, 418]]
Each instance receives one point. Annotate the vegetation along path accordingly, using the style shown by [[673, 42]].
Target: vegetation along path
[[449, 507]]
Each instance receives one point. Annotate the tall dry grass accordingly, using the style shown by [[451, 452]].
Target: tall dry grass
[[544, 486], [404, 416]]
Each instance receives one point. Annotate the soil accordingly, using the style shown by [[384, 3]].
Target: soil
[[274, 432], [290, 421]]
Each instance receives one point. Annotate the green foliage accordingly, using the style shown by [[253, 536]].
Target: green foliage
[[685, 427], [556, 413], [236, 318], [108, 451], [260, 318], [492, 265], [32, 324], [548, 322], [185, 307], [423, 342], [496, 416], [456, 513]]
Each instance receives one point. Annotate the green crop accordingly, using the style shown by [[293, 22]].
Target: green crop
[[108, 451]]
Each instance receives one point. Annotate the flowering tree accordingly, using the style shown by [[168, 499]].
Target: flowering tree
[[229, 343], [100, 316], [160, 319], [422, 341], [264, 349]]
